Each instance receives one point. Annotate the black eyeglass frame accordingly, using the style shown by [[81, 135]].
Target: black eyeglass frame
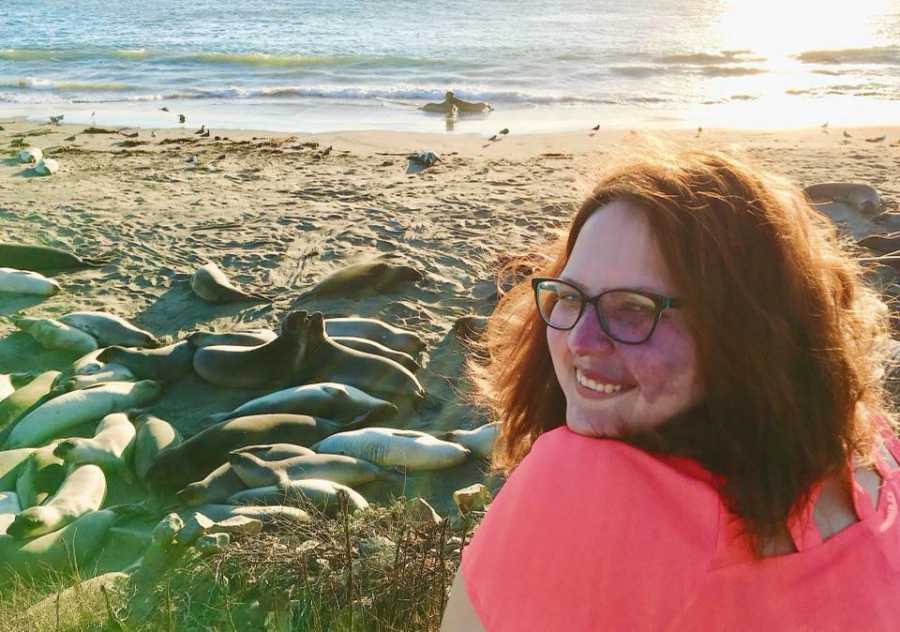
[[660, 301]]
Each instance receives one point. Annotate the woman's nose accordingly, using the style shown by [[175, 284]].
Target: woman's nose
[[587, 336]]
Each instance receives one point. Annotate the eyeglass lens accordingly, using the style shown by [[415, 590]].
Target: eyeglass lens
[[627, 316]]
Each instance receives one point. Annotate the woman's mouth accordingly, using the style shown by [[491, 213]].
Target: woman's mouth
[[594, 388]]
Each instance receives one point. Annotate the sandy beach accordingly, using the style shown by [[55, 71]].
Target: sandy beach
[[277, 212]]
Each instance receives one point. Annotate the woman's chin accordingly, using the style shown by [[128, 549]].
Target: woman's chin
[[592, 428]]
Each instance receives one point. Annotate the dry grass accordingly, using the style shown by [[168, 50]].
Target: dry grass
[[370, 571]]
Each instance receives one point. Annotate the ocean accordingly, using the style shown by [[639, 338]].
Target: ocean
[[329, 65]]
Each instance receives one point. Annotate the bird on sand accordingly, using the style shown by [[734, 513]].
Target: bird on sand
[[504, 131], [494, 137], [847, 134], [824, 127], [182, 118], [876, 139], [596, 127], [57, 120], [164, 109], [201, 130], [205, 134]]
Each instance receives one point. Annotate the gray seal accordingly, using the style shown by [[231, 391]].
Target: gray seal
[[196, 457], [249, 338], [365, 279], [166, 364], [328, 361], [274, 362], [110, 329], [211, 284], [370, 346], [379, 331]]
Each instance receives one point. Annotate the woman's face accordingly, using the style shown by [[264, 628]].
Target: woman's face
[[652, 381]]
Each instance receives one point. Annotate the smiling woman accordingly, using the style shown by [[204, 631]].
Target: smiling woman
[[688, 386]]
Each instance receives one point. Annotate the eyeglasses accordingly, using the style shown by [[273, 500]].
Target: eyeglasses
[[626, 316]]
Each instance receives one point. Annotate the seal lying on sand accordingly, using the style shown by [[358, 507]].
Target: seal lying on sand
[[14, 281], [211, 284], [248, 367], [40, 476], [326, 360], [52, 334], [196, 457], [82, 492], [370, 346], [324, 495], [330, 400], [166, 364], [109, 329], [861, 196], [153, 436], [17, 404], [390, 447], [332, 467], [108, 449], [45, 259], [223, 482], [382, 333], [54, 417], [480, 440], [364, 279]]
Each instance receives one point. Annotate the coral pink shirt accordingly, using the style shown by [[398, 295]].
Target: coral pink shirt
[[592, 534]]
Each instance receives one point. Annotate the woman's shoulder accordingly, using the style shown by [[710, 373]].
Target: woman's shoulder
[[602, 519]]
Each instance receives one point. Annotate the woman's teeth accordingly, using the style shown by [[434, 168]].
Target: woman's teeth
[[596, 386]]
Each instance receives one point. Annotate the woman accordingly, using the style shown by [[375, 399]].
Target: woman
[[693, 414]]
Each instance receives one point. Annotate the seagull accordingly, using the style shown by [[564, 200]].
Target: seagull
[[824, 127], [847, 134], [56, 120], [596, 127], [152, 134], [876, 139], [205, 134], [201, 130], [504, 131], [699, 131], [164, 109], [182, 118], [494, 137]]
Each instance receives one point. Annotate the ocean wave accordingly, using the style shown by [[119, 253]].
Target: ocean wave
[[731, 71], [253, 59], [36, 83], [876, 90], [711, 59], [875, 55], [643, 72]]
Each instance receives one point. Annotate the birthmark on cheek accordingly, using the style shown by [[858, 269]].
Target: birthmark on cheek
[[665, 366]]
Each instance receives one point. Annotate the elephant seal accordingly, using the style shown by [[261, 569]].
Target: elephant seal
[[860, 196], [480, 440], [24, 398], [54, 417], [328, 399], [322, 494], [370, 346], [109, 329], [58, 552], [267, 515], [249, 367], [83, 491], [223, 482], [109, 448], [14, 281], [329, 361], [380, 332], [152, 437], [166, 364], [196, 457], [111, 373], [52, 334], [249, 338], [40, 476], [332, 467], [210, 283], [389, 447], [46, 259], [11, 463], [9, 507], [364, 279]]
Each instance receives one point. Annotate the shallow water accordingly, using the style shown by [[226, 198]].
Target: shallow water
[[337, 64]]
